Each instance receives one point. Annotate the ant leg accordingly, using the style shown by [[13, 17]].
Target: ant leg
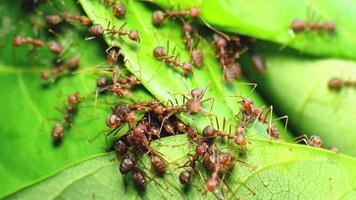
[[123, 25], [212, 104], [217, 122], [215, 30], [301, 138]]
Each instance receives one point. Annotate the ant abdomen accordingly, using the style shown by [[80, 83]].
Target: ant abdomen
[[119, 9], [96, 30], [126, 165], [184, 177], [158, 164]]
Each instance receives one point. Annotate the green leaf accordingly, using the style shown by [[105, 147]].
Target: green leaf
[[28, 108], [162, 80], [283, 171], [298, 86], [270, 20]]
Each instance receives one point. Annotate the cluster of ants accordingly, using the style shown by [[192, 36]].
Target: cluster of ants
[[228, 48], [160, 120]]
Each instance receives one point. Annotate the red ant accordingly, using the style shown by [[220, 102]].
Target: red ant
[[185, 176], [127, 165], [300, 25], [159, 16], [337, 83], [84, 20], [195, 54], [121, 87], [227, 53], [53, 46], [58, 129], [161, 54], [314, 140], [97, 30], [72, 64], [54, 19]]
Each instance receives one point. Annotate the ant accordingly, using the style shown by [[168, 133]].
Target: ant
[[53, 46], [159, 16], [299, 25], [121, 87], [161, 54], [112, 55], [127, 165], [72, 64], [195, 54], [259, 63], [84, 20], [200, 151], [194, 103], [55, 19], [337, 83], [314, 140], [226, 53], [97, 30], [220, 45], [58, 129]]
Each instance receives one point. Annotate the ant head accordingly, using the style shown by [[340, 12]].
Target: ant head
[[45, 74], [315, 141], [131, 117], [18, 40], [187, 67], [159, 52], [211, 184], [96, 30], [73, 99], [84, 20], [220, 42], [196, 93], [330, 26], [240, 139], [194, 12], [158, 17]]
